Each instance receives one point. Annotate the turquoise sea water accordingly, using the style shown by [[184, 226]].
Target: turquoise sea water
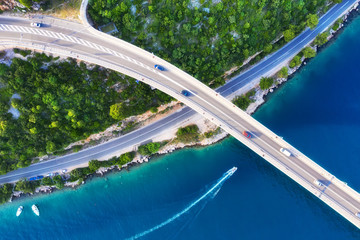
[[318, 111]]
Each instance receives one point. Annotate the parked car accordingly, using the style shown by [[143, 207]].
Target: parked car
[[159, 67], [35, 24], [185, 93], [64, 170]]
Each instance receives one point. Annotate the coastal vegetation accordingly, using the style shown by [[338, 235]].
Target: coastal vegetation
[[296, 61], [27, 186], [59, 102], [244, 101], [151, 148], [212, 133], [266, 83], [309, 52], [94, 165], [207, 38], [5, 192], [283, 73], [321, 39], [188, 134], [312, 20]]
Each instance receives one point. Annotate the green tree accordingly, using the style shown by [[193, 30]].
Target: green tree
[[26, 186], [266, 83], [283, 73], [309, 52], [312, 20], [94, 165], [5, 192], [47, 181], [125, 158], [50, 147], [288, 35], [188, 134], [59, 182], [26, 3], [268, 48], [296, 61], [242, 102], [149, 148], [117, 111], [321, 39]]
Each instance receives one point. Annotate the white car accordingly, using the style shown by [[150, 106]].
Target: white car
[[357, 214], [316, 182], [64, 170], [35, 24], [49, 174], [285, 152]]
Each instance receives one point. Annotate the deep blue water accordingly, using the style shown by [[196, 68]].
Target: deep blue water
[[317, 111]]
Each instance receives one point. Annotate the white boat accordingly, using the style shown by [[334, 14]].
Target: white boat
[[19, 211], [35, 210]]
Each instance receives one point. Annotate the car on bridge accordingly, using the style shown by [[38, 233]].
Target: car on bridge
[[285, 152], [35, 24], [318, 183], [246, 134], [185, 93], [159, 67]]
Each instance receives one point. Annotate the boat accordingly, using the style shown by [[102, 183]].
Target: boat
[[19, 211], [35, 209]]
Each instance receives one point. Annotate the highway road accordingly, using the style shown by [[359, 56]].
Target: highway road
[[75, 40]]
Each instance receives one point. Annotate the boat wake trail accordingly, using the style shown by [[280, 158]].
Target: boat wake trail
[[210, 193]]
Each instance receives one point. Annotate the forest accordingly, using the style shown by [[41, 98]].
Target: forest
[[206, 38], [60, 102]]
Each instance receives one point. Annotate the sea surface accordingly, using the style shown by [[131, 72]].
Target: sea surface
[[185, 195]]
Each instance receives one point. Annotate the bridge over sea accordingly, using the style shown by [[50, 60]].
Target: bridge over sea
[[87, 44]]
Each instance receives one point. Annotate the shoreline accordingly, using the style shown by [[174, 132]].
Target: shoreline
[[261, 98]]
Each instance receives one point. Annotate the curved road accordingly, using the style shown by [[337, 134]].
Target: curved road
[[59, 37]]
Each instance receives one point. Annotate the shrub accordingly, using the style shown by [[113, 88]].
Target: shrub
[[266, 83], [59, 182], [154, 109], [312, 20], [26, 186], [309, 52], [149, 148], [296, 61], [125, 158], [5, 192], [47, 181], [94, 165], [283, 73], [242, 102], [188, 134], [321, 39]]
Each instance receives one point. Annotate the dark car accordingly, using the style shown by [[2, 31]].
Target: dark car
[[161, 68], [185, 93]]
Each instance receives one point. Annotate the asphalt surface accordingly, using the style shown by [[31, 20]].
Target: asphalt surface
[[76, 41]]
